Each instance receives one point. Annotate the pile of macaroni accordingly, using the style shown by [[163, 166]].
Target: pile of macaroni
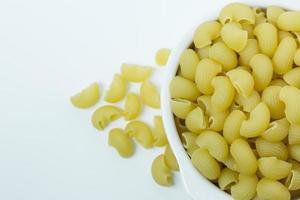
[[236, 102]]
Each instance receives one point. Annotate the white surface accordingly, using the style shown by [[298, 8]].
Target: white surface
[[50, 50]]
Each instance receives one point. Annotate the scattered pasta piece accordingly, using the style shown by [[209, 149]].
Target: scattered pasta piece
[[121, 142], [159, 134], [105, 115], [135, 73], [117, 90], [149, 95], [87, 97], [141, 132], [170, 159], [133, 106], [162, 56], [160, 172]]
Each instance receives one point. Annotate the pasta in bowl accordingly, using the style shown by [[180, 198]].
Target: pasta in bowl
[[230, 102]]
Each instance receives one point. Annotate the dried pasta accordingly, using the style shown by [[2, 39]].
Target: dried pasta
[[159, 134], [184, 89], [87, 97], [273, 168], [188, 63], [291, 97], [162, 56], [271, 189], [149, 95], [133, 106], [237, 12], [206, 32], [141, 132], [117, 90], [270, 96], [182, 107], [160, 172], [242, 81], [121, 142], [135, 73], [170, 159], [104, 115], [234, 36], [245, 189], [196, 121]]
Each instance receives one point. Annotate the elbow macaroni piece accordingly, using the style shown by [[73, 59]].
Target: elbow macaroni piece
[[284, 55], [214, 143], [133, 106], [162, 56], [234, 36], [223, 94], [135, 73], [87, 97], [273, 12], [293, 180], [227, 179], [117, 90], [277, 131], [182, 107], [244, 157], [222, 54], [189, 142], [150, 95], [205, 72], [184, 89], [188, 63], [248, 52], [262, 71], [294, 134], [232, 125], [292, 77], [291, 97], [160, 172], [237, 12], [206, 164], [121, 142], [273, 168], [294, 151], [257, 123], [242, 81], [267, 37], [196, 121], [269, 149], [270, 96], [297, 57], [245, 189], [170, 159], [271, 189], [206, 33], [141, 132], [248, 103], [159, 134], [288, 21], [104, 115]]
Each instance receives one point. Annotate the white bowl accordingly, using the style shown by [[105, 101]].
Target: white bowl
[[196, 185]]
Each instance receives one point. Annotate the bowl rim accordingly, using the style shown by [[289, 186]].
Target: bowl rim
[[197, 186]]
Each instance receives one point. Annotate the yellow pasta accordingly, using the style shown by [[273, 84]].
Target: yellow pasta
[[245, 189], [203, 52], [227, 179], [257, 123], [273, 168], [293, 180], [297, 57], [233, 122], [170, 159], [135, 73], [105, 115], [294, 134], [267, 36], [270, 96], [269, 149], [150, 95], [262, 71], [292, 77], [273, 12], [159, 134], [294, 151], [206, 32], [278, 82], [291, 97], [141, 132], [230, 163], [223, 94], [204, 101], [117, 90], [248, 52], [184, 89], [162, 56], [87, 97], [260, 16], [284, 55], [160, 172], [182, 107], [277, 131], [205, 72], [133, 106], [220, 53], [196, 121], [242, 81], [188, 63], [234, 36], [189, 142], [288, 21], [121, 142], [248, 103], [237, 12], [206, 164], [270, 189], [214, 143], [244, 157]]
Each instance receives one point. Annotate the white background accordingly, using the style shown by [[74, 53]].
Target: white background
[[51, 49]]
